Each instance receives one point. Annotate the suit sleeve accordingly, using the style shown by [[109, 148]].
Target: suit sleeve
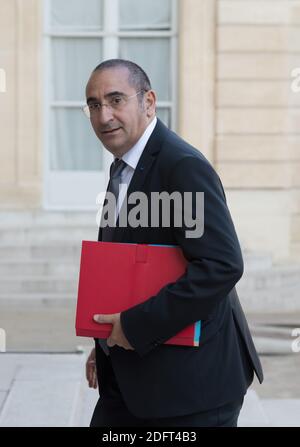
[[214, 264]]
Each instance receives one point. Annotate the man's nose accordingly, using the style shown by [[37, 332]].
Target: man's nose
[[105, 114]]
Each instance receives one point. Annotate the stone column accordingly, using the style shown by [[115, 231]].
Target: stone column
[[20, 105]]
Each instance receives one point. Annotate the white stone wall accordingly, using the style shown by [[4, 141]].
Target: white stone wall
[[257, 126]]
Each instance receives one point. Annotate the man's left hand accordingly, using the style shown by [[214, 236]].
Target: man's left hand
[[117, 336]]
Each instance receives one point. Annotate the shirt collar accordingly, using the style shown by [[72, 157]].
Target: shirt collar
[[133, 155]]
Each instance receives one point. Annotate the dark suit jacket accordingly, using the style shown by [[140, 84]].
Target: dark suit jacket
[[158, 380]]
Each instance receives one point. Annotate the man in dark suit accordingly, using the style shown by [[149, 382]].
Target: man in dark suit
[[143, 382]]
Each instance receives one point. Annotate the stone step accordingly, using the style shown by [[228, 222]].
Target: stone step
[[252, 413], [256, 261], [285, 271], [50, 390], [12, 268], [282, 331], [38, 301], [37, 285], [35, 218], [43, 391], [282, 412], [269, 300], [88, 398], [276, 289], [273, 346], [42, 235], [54, 251]]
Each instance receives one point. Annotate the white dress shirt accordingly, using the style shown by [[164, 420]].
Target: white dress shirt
[[132, 158]]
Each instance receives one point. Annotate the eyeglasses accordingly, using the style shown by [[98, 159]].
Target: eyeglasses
[[115, 102]]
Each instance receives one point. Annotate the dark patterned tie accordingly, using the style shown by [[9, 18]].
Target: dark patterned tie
[[116, 169]]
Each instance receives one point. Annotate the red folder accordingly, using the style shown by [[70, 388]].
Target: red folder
[[116, 276]]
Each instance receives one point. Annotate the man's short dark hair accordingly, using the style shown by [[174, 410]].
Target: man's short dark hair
[[137, 77]]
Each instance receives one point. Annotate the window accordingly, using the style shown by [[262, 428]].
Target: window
[[79, 35]]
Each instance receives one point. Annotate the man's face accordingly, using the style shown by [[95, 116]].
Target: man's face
[[118, 129]]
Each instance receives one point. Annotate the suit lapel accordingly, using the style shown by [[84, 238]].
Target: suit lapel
[[148, 156]]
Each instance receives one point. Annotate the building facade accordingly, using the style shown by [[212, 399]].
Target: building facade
[[223, 73]]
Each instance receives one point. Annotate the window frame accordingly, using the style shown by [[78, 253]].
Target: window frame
[[110, 35]]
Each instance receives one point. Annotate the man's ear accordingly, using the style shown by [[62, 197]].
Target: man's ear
[[150, 102]]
